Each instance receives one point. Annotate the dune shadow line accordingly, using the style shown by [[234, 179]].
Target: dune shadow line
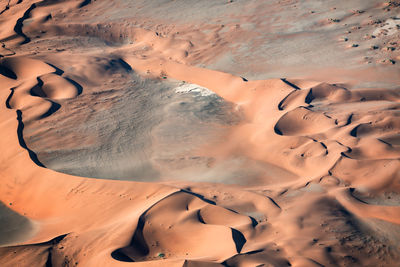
[[239, 239], [290, 84], [53, 242], [58, 70], [78, 87], [20, 130], [7, 72], [20, 23], [125, 65], [85, 3], [9, 98], [7, 7], [53, 108]]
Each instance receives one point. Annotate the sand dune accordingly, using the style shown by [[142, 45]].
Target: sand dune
[[199, 133]]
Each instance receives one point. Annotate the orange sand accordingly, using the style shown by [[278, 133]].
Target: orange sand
[[326, 188]]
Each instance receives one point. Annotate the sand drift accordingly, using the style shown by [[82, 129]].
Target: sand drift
[[199, 133]]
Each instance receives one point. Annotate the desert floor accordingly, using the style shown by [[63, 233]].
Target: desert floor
[[199, 133]]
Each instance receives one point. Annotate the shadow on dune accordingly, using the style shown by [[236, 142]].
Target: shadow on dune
[[22, 143], [13, 227], [20, 24], [8, 73], [142, 244], [36, 91]]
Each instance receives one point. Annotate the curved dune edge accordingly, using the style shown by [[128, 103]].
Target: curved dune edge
[[106, 213], [333, 154]]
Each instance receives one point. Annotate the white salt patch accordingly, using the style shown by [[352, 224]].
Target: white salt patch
[[389, 28], [193, 88]]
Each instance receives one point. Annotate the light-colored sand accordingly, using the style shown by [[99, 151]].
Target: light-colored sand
[[163, 133]]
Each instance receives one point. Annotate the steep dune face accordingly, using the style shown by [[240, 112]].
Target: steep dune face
[[223, 162]]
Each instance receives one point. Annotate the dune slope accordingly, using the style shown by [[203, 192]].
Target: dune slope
[[199, 133]]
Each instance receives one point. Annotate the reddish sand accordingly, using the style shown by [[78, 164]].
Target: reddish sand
[[218, 159]]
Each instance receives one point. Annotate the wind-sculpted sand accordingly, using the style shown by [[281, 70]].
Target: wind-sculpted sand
[[196, 137]]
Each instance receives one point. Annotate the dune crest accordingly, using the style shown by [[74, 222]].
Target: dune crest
[[162, 141]]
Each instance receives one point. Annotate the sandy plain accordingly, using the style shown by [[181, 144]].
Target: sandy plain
[[199, 133]]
